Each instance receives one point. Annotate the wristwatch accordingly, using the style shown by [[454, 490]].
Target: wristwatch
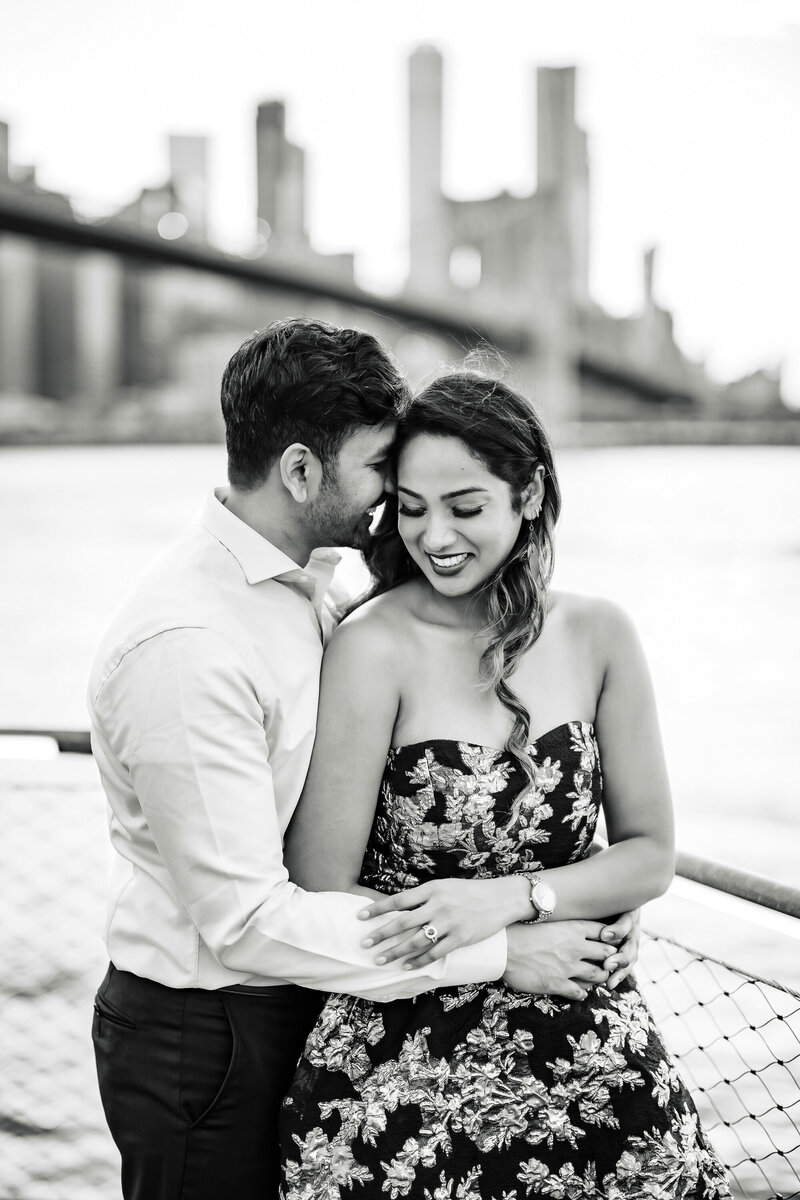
[[543, 898]]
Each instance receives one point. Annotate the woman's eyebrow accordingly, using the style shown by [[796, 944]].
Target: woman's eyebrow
[[445, 495]]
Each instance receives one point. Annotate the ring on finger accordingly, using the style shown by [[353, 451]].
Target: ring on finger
[[431, 933]]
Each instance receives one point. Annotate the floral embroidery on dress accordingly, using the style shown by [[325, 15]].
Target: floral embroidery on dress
[[479, 1092]]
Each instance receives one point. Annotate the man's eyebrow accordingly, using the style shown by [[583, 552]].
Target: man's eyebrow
[[445, 495]]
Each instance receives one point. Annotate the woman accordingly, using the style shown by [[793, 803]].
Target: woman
[[465, 712]]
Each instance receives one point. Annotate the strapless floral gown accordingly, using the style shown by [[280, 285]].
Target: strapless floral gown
[[480, 1092]]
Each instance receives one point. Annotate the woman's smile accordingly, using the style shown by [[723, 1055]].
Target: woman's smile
[[449, 564]]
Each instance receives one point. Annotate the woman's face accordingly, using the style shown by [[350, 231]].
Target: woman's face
[[455, 517]]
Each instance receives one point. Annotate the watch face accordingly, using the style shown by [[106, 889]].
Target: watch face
[[544, 897]]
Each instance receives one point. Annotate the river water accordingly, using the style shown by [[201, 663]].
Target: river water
[[700, 544]]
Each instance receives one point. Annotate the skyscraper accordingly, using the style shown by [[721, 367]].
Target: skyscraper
[[280, 167]]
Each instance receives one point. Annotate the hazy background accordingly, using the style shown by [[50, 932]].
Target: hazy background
[[613, 203], [692, 108], [674, 125]]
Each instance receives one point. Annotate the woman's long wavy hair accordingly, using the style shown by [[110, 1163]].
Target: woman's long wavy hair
[[501, 430]]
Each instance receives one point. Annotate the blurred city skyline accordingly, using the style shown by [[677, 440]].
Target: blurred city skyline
[[692, 112]]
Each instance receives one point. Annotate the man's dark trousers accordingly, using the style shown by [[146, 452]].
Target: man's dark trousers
[[192, 1082]]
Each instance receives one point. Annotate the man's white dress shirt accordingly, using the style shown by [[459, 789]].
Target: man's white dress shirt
[[203, 702]]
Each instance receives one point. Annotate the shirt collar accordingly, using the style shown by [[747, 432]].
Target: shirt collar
[[260, 560]]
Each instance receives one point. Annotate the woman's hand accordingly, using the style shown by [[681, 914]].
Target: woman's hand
[[624, 934], [557, 958], [458, 912]]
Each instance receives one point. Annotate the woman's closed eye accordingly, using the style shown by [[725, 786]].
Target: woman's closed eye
[[405, 511]]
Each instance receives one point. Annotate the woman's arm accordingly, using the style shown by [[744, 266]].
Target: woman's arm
[[359, 699], [360, 691], [639, 862]]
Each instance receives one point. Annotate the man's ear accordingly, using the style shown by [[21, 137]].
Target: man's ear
[[301, 472], [533, 495]]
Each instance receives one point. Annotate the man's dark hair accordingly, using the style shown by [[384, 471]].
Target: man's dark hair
[[305, 381]]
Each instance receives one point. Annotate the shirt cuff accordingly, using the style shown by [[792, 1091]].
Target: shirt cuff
[[480, 963]]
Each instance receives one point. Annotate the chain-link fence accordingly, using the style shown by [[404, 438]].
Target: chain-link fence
[[737, 1041], [736, 1038], [54, 1144]]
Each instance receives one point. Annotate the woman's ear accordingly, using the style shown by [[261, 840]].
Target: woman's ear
[[301, 472], [533, 496]]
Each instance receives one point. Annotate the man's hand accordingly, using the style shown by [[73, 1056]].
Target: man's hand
[[558, 958], [623, 936]]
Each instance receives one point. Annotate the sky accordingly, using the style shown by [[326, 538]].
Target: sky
[[692, 108]]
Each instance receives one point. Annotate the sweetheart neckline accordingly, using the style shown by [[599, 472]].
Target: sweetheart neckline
[[439, 741]]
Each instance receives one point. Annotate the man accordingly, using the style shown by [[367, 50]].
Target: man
[[203, 703]]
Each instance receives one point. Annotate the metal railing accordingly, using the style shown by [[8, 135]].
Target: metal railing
[[734, 1034], [767, 893]]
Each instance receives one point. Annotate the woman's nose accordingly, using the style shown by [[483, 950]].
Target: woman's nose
[[438, 535]]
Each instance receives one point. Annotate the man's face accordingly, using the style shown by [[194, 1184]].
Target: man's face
[[352, 488]]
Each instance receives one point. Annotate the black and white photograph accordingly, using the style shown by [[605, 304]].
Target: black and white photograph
[[400, 618]]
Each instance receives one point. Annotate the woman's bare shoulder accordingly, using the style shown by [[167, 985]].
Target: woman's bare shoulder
[[378, 627], [603, 623]]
